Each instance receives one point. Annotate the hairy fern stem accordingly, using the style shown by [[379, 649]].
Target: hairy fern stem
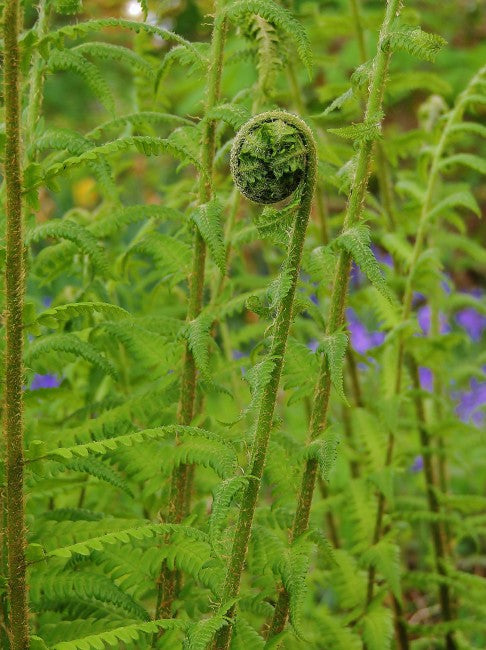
[[13, 425], [182, 478], [276, 353], [335, 321]]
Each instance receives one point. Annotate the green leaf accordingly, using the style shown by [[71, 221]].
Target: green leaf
[[334, 347], [208, 219], [362, 132], [356, 241], [466, 159], [114, 637], [324, 450]]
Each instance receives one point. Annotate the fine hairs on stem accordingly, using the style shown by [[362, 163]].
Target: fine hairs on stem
[[318, 419], [14, 370], [180, 490], [294, 135]]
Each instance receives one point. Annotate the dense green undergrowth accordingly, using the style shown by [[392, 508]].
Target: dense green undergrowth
[[243, 364]]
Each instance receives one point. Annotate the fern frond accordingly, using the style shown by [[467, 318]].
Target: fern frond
[[416, 42], [186, 57], [356, 241], [126, 634], [56, 317], [84, 240], [278, 16], [149, 146], [141, 119], [334, 347], [208, 219], [70, 60], [124, 536], [362, 132], [111, 52], [70, 345], [57, 590], [324, 451]]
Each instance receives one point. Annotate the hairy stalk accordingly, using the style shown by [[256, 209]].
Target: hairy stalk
[[455, 115], [318, 421], [13, 425], [276, 353], [182, 477]]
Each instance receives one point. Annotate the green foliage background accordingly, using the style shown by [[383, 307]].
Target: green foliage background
[[109, 237]]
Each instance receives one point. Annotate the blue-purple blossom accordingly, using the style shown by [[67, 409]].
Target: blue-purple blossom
[[417, 465], [313, 345], [362, 339], [426, 378], [472, 321], [470, 407], [423, 317], [382, 257], [45, 381]]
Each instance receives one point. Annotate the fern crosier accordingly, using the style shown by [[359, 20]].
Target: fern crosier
[[272, 125]]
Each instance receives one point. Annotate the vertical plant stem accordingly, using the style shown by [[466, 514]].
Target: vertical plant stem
[[14, 370], [182, 477], [318, 421], [267, 407]]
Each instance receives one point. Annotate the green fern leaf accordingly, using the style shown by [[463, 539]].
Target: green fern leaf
[[362, 132], [126, 634], [56, 317], [467, 159], [232, 114], [378, 628], [324, 451], [70, 345], [75, 233], [124, 536], [385, 557], [69, 60], [140, 120], [278, 16], [416, 42], [356, 241], [186, 57], [208, 219], [68, 7], [223, 496], [334, 347], [111, 52]]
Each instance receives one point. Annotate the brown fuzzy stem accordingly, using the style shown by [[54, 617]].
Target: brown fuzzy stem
[[14, 372]]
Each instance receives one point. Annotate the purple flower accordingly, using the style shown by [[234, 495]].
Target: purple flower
[[423, 317], [469, 407], [238, 354], [47, 301], [314, 298], [356, 276], [417, 465], [472, 321], [382, 257], [362, 339], [45, 381], [313, 345], [426, 378]]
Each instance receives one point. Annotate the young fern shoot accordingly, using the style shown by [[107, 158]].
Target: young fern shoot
[[335, 321], [273, 155], [14, 369]]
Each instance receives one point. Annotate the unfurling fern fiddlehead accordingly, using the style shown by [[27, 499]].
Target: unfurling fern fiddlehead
[[14, 370], [273, 156], [318, 420]]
